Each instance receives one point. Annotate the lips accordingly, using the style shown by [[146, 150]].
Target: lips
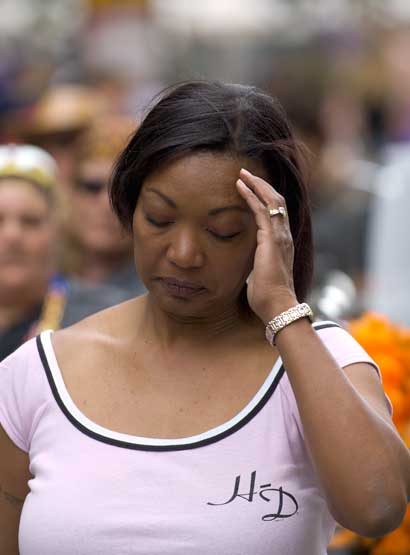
[[181, 288]]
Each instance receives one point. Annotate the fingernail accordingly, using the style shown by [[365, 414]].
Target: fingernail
[[245, 171], [240, 182]]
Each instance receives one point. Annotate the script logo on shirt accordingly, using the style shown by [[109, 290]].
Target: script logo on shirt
[[282, 503]]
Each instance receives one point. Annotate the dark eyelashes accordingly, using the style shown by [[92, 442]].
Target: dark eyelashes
[[223, 237], [216, 235], [155, 223]]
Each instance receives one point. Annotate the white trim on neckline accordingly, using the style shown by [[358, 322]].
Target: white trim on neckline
[[95, 428]]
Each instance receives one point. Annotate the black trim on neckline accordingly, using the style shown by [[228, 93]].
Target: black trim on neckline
[[143, 447], [181, 447]]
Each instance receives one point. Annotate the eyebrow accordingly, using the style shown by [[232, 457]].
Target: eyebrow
[[213, 212]]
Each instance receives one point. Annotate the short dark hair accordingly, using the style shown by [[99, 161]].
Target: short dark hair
[[211, 116]]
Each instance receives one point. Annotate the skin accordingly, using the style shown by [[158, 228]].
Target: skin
[[14, 477], [26, 251], [184, 364], [101, 243], [367, 492], [177, 235], [26, 248]]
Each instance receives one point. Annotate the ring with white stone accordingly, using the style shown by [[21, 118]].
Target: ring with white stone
[[275, 211]]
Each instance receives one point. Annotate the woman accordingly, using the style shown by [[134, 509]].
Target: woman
[[32, 295], [167, 424]]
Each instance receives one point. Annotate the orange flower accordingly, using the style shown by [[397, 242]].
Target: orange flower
[[343, 538], [406, 521], [392, 369], [373, 331], [389, 345], [397, 543]]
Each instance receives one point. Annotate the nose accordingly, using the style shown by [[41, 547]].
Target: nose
[[11, 230], [103, 201], [185, 250]]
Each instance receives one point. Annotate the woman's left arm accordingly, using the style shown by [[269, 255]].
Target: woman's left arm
[[362, 463]]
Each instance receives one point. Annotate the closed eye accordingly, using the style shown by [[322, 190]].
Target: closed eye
[[157, 223], [165, 223], [31, 221], [223, 237]]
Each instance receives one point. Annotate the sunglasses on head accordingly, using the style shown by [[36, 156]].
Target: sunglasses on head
[[91, 186]]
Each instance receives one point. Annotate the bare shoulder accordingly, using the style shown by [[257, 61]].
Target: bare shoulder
[[98, 331], [90, 356]]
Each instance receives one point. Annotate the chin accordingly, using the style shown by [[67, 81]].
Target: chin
[[102, 245], [189, 309], [16, 277]]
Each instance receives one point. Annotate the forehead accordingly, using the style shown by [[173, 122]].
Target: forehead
[[15, 193], [99, 167], [202, 176]]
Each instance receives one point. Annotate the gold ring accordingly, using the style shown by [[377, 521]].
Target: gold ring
[[275, 211]]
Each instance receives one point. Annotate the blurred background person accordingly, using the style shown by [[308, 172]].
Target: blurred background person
[[388, 245], [33, 295], [96, 248], [387, 241], [340, 181], [57, 120]]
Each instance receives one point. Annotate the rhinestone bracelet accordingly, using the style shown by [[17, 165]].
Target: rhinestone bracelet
[[285, 318]]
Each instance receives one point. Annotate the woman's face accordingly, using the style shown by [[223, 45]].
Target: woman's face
[[194, 235], [26, 236]]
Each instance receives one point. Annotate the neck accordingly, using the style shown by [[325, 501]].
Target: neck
[[16, 306], [174, 331]]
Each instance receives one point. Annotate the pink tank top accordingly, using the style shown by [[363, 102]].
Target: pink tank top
[[245, 487]]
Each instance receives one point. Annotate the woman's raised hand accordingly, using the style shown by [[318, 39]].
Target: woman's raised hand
[[270, 285]]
